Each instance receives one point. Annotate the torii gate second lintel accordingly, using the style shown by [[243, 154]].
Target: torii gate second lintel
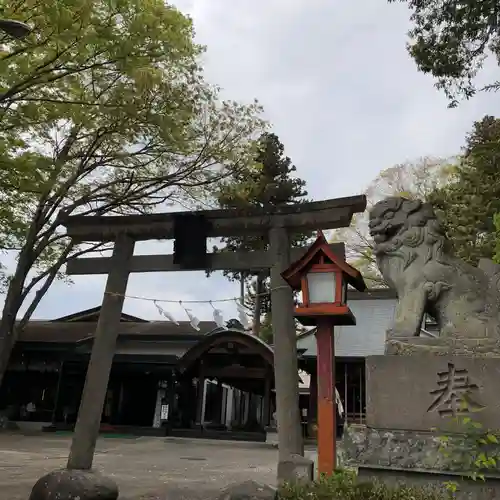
[[125, 230]]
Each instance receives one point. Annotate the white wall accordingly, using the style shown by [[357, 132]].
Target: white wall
[[367, 337]]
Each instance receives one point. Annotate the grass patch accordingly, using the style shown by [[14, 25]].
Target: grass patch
[[344, 485]]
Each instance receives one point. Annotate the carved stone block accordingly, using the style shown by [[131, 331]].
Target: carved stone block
[[423, 392]]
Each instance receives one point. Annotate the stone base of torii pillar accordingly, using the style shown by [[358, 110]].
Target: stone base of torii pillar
[[66, 484]]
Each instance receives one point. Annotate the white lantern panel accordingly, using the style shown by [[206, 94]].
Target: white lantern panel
[[321, 287]]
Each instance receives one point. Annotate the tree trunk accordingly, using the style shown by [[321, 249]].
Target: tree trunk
[[31, 250], [14, 298], [8, 321], [258, 305], [242, 289]]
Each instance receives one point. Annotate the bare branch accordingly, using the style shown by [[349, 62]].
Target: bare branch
[[63, 259]]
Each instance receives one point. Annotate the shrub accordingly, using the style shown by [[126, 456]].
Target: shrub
[[472, 450], [344, 485]]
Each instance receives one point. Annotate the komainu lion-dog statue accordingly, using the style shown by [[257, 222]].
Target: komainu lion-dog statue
[[414, 258]]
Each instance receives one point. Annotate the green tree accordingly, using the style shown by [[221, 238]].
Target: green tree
[[104, 110], [496, 221], [467, 206], [270, 183], [412, 180], [265, 323], [266, 329], [257, 293], [450, 39]]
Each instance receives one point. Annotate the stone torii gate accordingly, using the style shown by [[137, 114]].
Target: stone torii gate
[[190, 231]]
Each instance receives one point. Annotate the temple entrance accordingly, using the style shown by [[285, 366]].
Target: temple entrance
[[229, 375]]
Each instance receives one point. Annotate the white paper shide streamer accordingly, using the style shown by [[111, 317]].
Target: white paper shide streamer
[[219, 320], [193, 320], [165, 314], [242, 315]]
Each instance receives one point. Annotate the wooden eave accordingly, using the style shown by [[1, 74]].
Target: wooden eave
[[82, 332], [295, 272]]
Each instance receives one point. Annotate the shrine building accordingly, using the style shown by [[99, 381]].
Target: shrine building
[[169, 379]]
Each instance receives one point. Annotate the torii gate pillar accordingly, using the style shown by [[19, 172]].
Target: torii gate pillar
[[292, 463]]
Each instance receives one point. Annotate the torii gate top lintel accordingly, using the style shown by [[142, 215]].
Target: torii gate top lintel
[[326, 214]]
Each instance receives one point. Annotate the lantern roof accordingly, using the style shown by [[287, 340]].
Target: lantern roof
[[312, 256]]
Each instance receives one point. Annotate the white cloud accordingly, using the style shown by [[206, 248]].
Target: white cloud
[[342, 94]]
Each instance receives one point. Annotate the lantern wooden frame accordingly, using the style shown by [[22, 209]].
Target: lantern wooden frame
[[320, 259]]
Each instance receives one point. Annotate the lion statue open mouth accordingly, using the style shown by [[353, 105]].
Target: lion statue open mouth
[[414, 258]]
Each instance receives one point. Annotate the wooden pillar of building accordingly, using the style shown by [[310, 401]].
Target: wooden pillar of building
[[171, 393], [57, 398], [253, 417], [241, 404], [220, 403], [200, 396], [187, 400], [290, 441], [119, 402], [266, 401], [312, 414], [96, 383]]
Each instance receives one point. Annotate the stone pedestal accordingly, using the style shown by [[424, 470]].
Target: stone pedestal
[[476, 347], [299, 468], [413, 395], [67, 484]]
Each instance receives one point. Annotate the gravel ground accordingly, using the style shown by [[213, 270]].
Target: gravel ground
[[144, 468]]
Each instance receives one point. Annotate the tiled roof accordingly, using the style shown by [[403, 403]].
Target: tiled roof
[[48, 331]]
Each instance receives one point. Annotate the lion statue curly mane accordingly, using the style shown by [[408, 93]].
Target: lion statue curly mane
[[414, 258]]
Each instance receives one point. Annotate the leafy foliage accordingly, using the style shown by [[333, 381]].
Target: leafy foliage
[[451, 39], [470, 449], [343, 485], [260, 287], [473, 450], [496, 221], [410, 180], [103, 110], [468, 204], [270, 183], [266, 329]]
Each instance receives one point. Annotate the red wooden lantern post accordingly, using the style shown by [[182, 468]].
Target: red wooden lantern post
[[322, 277]]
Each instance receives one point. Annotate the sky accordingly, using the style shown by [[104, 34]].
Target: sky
[[341, 93]]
